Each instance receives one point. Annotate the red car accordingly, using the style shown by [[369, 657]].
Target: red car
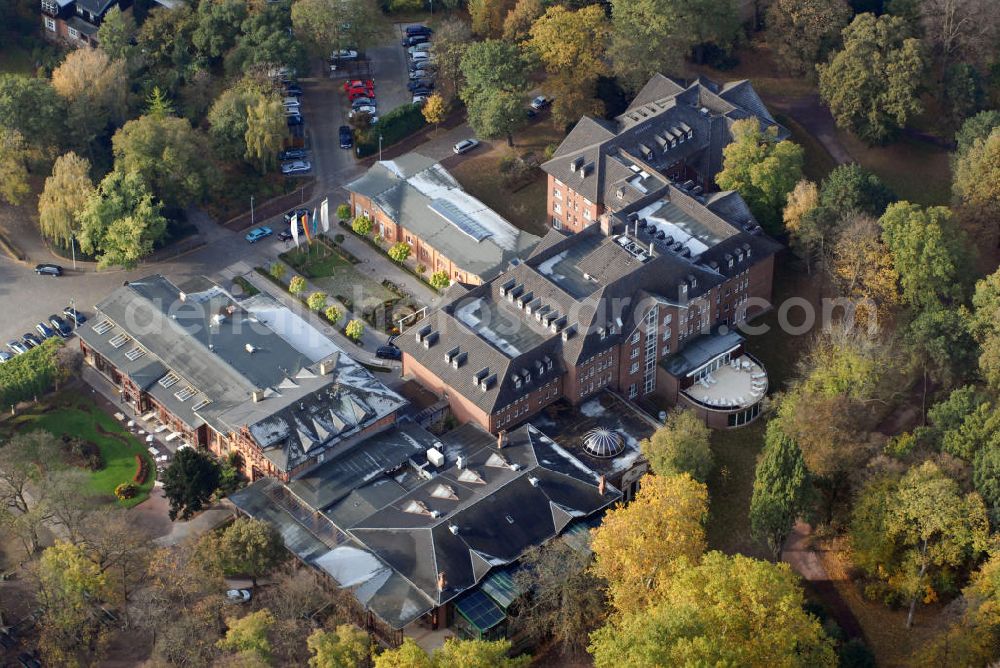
[[359, 83], [355, 93]]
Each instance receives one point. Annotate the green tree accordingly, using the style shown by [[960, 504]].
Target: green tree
[[727, 611], [961, 423], [986, 474], [781, 489], [69, 587], [399, 251], [927, 252], [95, 89], [803, 31], [333, 314], [31, 374], [14, 155], [343, 211], [362, 225], [217, 28], [266, 132], [228, 116], [495, 82], [346, 647], [167, 154], [495, 114], [977, 127], [116, 34], [871, 85], [247, 635], [250, 547], [680, 446], [158, 105], [653, 36], [297, 285], [853, 189], [761, 169], [565, 600], [317, 301], [355, 329], [164, 40], [639, 547], [31, 106], [277, 270], [454, 653], [938, 338], [451, 39], [977, 174], [332, 24], [189, 481], [440, 280], [407, 655], [121, 222]]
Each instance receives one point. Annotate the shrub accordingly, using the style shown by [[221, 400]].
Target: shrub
[[395, 126], [421, 268], [277, 270], [141, 470], [440, 280], [126, 490], [343, 212], [333, 314], [338, 238], [82, 453], [362, 225], [297, 285], [317, 301], [400, 251], [355, 330], [30, 374]]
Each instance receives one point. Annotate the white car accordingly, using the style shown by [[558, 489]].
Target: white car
[[296, 167], [418, 99], [540, 103], [344, 54], [291, 102], [465, 146], [238, 596], [425, 47], [293, 111], [366, 109], [417, 56]]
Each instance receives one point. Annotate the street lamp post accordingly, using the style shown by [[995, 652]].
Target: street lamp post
[[251, 211], [380, 147], [72, 245], [72, 305]]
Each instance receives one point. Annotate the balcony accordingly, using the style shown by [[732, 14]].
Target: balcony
[[738, 384]]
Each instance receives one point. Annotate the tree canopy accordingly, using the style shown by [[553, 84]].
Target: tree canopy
[[189, 482], [802, 32], [680, 446], [121, 222], [781, 489], [65, 193]]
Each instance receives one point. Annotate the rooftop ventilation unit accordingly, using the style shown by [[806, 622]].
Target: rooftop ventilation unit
[[677, 247], [661, 235], [668, 240], [534, 481], [250, 348], [587, 169], [642, 224], [435, 457], [453, 529], [632, 217]]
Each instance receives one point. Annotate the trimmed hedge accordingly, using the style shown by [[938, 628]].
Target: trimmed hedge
[[395, 126]]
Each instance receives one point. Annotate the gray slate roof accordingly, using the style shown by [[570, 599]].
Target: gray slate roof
[[203, 355], [419, 194]]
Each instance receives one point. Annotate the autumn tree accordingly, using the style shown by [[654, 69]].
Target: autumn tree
[[96, 92], [871, 85], [247, 636], [862, 268], [927, 252], [189, 481], [495, 82], [761, 169], [343, 647], [518, 22], [167, 154], [354, 330], [781, 489], [639, 547], [802, 32], [69, 500], [335, 24], [726, 611], [983, 325], [440, 280], [121, 221], [960, 30], [266, 132], [454, 652], [681, 445], [977, 175], [14, 156], [399, 252], [69, 586], [488, 16], [407, 655], [362, 225], [565, 601], [297, 285], [435, 110]]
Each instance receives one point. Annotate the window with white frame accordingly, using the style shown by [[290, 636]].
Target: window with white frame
[[633, 391], [50, 24], [556, 207], [635, 337], [634, 368], [634, 353], [73, 33]]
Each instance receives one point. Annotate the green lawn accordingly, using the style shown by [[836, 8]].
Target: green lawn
[[316, 260], [333, 273], [916, 171], [81, 418]]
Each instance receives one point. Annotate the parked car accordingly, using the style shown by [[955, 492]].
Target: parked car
[[293, 154], [413, 40], [362, 102], [291, 101], [238, 596], [295, 120], [420, 56], [5, 356], [422, 91], [540, 103], [295, 214], [389, 352], [362, 110], [420, 74], [346, 137], [419, 48], [46, 269], [465, 146], [360, 91], [61, 327], [419, 99], [44, 330], [296, 167], [293, 89], [426, 65], [344, 54], [420, 83], [31, 340], [17, 347], [74, 315], [530, 113], [418, 30], [258, 233], [359, 83]]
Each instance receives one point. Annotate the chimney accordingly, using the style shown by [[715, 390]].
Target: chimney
[[601, 485], [325, 367], [257, 396], [501, 439], [460, 461], [441, 581]]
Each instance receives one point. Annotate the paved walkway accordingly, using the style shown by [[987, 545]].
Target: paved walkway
[[378, 265], [815, 117]]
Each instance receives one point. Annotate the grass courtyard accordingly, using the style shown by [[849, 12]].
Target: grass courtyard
[[79, 417], [329, 270]]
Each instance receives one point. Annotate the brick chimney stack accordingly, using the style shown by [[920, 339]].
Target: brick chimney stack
[[441, 581], [601, 485], [501, 439]]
